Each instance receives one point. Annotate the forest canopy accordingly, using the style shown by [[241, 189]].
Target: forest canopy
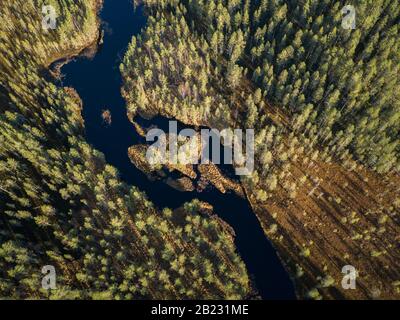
[[61, 204]]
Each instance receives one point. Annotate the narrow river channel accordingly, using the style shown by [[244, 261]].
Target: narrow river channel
[[98, 82]]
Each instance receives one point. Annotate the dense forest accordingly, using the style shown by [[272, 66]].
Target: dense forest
[[337, 87], [324, 101], [61, 204]]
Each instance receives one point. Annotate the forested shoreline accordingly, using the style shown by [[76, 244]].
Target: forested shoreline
[[62, 205], [324, 103]]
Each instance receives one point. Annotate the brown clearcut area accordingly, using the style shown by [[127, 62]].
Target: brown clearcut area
[[323, 215], [337, 218]]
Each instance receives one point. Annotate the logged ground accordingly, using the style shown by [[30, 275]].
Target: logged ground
[[338, 218], [337, 213]]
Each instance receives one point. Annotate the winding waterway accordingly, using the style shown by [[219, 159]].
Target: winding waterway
[[98, 82]]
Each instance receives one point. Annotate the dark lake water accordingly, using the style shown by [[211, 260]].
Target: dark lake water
[[98, 82]]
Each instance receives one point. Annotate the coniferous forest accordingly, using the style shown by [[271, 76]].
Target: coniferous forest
[[323, 99], [62, 205]]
